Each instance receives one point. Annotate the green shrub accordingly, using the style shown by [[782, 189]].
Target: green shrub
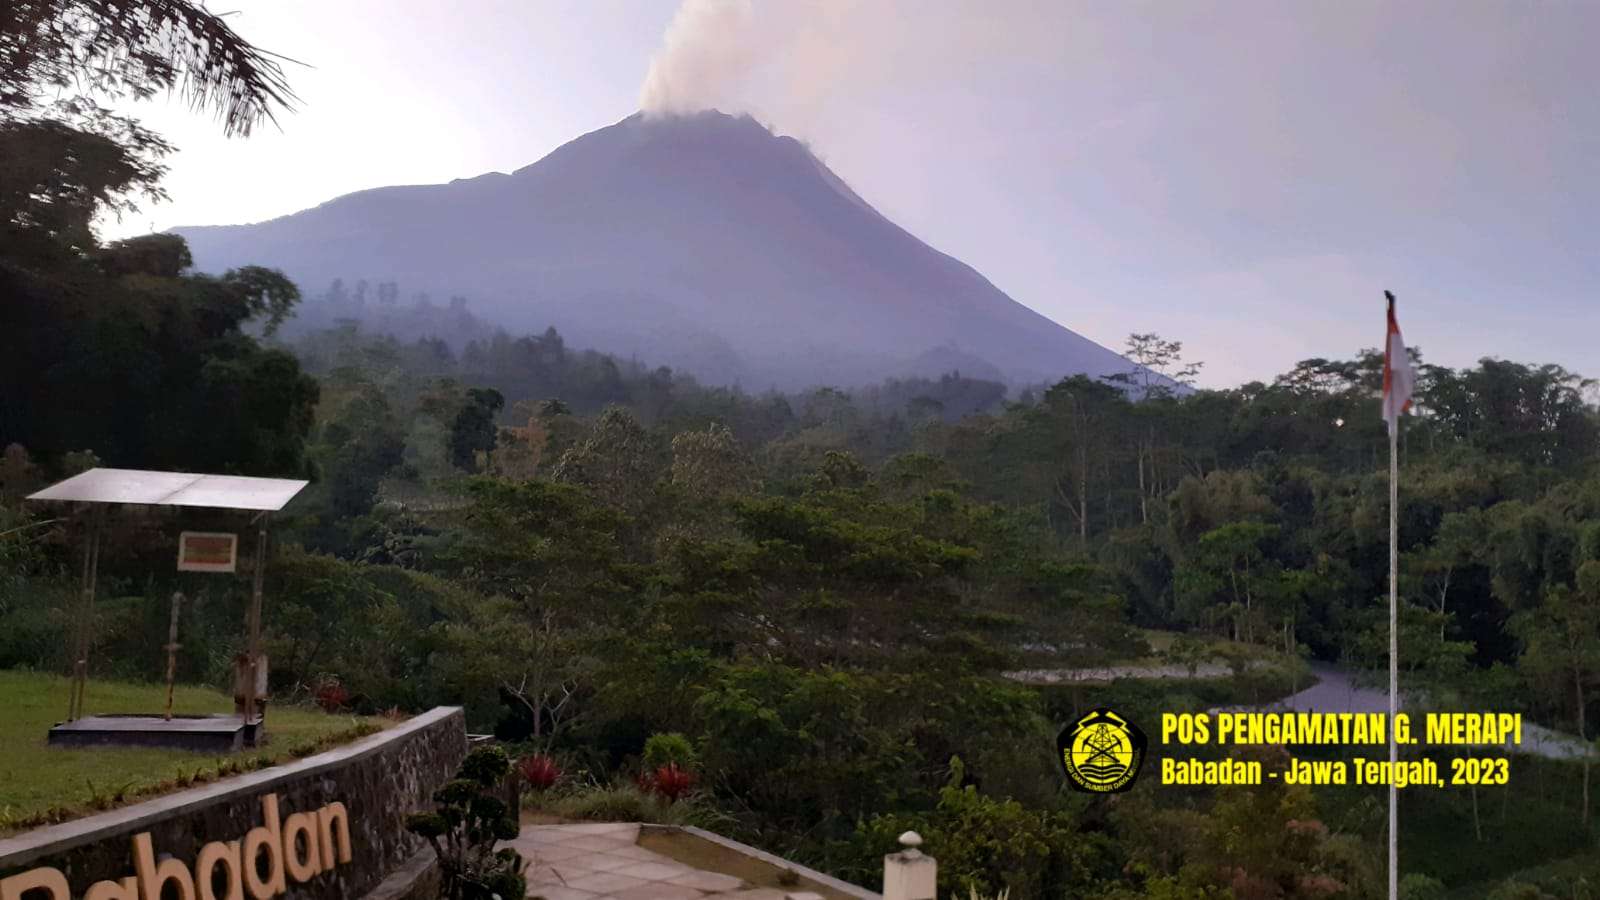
[[611, 804], [1417, 886], [1188, 652], [31, 632], [626, 803], [668, 748], [463, 830], [1512, 889], [987, 845]]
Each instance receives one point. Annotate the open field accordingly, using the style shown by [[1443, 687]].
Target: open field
[[40, 784]]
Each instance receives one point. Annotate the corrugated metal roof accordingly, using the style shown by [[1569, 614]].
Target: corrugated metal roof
[[173, 489]]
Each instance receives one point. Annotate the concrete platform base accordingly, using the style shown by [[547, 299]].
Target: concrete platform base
[[206, 734], [604, 861]]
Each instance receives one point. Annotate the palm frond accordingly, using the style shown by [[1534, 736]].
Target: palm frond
[[140, 47]]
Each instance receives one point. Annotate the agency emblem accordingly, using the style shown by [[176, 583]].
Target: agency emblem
[[1101, 752]]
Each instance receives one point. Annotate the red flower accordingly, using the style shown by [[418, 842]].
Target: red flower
[[1320, 885], [1309, 827], [539, 771], [670, 782], [332, 696]]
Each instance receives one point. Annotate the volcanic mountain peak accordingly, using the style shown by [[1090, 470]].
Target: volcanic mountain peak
[[702, 241]]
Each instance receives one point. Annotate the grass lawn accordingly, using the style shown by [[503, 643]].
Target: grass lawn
[[41, 784]]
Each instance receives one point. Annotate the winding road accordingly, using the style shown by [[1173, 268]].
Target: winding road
[[1336, 691]]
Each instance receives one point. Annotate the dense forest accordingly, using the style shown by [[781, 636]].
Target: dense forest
[[821, 591], [807, 603]]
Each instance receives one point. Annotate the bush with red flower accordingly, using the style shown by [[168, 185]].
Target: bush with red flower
[[668, 767], [331, 696], [539, 771], [669, 782]]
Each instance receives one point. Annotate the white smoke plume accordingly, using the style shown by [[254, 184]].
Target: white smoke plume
[[705, 58], [796, 63]]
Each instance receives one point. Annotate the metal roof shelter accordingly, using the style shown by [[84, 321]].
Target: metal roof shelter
[[140, 487], [146, 488]]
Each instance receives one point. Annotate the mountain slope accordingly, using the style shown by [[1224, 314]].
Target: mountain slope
[[704, 242]]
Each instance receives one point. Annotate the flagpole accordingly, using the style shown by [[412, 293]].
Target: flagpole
[[1398, 384], [1394, 654]]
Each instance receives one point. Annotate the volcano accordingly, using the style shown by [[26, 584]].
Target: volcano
[[704, 242]]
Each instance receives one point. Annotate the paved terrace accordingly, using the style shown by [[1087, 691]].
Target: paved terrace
[[604, 860]]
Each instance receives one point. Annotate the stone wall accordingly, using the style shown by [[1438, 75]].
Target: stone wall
[[373, 782]]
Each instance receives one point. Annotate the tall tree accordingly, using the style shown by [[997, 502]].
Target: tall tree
[[1229, 569], [158, 366], [1076, 420], [473, 431], [618, 461], [1562, 648], [1159, 366]]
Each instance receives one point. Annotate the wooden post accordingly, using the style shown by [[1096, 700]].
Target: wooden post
[[85, 624], [75, 627], [172, 649], [253, 642]]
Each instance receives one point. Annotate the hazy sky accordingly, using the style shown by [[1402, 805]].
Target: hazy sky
[[1244, 176]]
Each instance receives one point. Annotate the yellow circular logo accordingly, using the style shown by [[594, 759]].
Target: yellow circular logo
[[1101, 752]]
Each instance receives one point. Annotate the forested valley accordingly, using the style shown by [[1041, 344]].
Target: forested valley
[[819, 592], [802, 606]]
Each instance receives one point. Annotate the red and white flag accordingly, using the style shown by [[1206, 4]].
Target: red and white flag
[[1398, 381]]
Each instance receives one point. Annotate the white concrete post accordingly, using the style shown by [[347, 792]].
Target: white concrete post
[[909, 875]]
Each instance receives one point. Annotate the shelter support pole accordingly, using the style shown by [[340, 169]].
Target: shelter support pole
[[253, 648], [83, 632], [172, 649], [75, 626]]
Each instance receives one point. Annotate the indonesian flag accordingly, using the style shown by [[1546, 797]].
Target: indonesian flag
[[1398, 382]]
